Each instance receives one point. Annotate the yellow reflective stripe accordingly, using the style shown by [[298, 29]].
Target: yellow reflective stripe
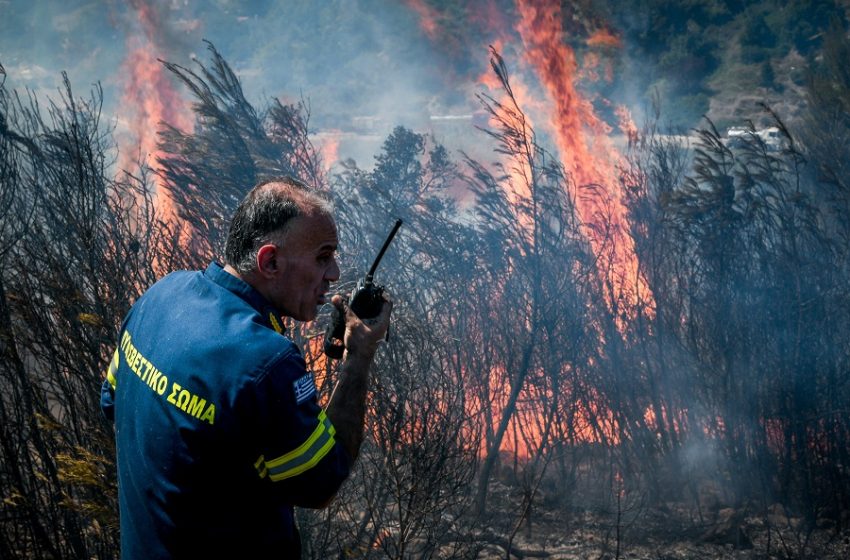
[[275, 324], [308, 465], [261, 463], [317, 433], [113, 368], [296, 460]]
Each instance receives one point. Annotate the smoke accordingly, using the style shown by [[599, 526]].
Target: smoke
[[39, 41], [379, 62], [368, 66], [354, 62]]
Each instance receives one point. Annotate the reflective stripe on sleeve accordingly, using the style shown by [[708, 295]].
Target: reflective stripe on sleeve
[[260, 465], [305, 457], [113, 369]]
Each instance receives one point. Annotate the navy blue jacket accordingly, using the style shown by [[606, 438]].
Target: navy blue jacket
[[217, 428]]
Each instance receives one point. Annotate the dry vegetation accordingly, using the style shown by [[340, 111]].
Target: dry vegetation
[[709, 420]]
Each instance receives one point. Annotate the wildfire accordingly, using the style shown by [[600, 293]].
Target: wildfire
[[585, 420], [329, 141], [518, 171], [148, 98], [583, 139], [577, 127], [583, 142], [585, 146], [604, 38], [627, 124]]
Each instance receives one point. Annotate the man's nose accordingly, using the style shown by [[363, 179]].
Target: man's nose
[[332, 273]]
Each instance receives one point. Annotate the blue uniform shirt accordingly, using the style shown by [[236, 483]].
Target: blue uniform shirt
[[217, 428]]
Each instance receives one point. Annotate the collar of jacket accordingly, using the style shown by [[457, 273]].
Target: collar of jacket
[[216, 273]]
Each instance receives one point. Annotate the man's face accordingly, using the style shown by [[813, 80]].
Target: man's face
[[306, 266]]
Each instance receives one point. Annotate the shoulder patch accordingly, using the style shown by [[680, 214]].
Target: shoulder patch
[[304, 388]]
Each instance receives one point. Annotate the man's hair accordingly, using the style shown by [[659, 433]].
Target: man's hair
[[266, 212]]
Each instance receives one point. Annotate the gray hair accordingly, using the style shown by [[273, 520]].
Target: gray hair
[[265, 214]]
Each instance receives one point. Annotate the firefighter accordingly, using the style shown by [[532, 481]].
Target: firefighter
[[217, 428]]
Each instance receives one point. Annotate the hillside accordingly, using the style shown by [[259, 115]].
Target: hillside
[[722, 57]]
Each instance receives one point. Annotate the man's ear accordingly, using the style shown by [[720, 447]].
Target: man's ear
[[268, 261]]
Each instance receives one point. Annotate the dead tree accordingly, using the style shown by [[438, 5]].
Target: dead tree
[[77, 248], [207, 171], [533, 261]]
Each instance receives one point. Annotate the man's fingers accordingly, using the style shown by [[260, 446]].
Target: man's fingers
[[386, 309], [382, 320]]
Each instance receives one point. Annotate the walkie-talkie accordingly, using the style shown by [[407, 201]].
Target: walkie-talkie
[[366, 302]]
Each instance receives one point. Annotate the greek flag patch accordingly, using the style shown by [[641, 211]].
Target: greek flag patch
[[304, 388]]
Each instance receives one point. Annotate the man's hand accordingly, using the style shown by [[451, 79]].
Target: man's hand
[[362, 336], [347, 407]]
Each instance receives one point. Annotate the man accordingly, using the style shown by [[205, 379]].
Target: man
[[217, 428]]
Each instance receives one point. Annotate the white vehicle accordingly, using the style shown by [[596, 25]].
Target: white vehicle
[[736, 136]]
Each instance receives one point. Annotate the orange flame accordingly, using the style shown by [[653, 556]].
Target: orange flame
[[589, 155], [604, 38], [627, 124], [581, 136], [518, 171], [590, 67], [573, 119], [329, 141], [149, 98], [583, 143], [582, 421]]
